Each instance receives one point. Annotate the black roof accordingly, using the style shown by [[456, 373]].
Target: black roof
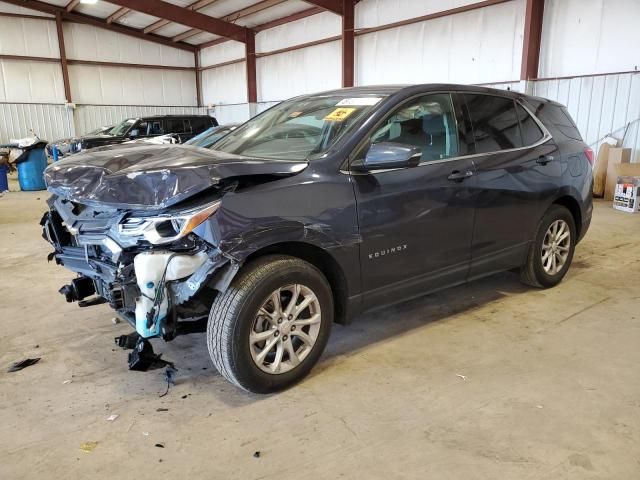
[[396, 89]]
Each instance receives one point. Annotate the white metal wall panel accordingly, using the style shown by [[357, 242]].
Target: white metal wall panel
[[84, 42], [131, 86], [587, 37], [238, 113], [29, 37], [31, 82], [309, 29], [49, 122], [372, 13], [308, 70], [225, 85], [479, 46], [90, 117], [224, 52], [600, 105]]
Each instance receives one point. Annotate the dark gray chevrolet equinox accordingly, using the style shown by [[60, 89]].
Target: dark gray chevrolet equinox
[[319, 208]]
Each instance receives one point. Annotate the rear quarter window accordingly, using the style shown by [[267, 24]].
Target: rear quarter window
[[561, 119]]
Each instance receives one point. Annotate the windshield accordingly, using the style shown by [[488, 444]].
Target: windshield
[[298, 129], [123, 127], [210, 136]]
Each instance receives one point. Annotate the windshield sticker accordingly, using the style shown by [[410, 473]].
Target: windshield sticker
[[362, 101], [339, 114]]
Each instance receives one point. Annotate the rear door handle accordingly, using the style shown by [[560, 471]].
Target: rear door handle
[[544, 159], [458, 176]]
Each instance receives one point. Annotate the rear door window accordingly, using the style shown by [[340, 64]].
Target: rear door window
[[495, 123], [174, 125]]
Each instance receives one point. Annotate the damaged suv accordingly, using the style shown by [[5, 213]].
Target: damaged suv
[[319, 208]]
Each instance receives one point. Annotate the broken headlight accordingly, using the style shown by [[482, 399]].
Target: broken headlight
[[166, 227]]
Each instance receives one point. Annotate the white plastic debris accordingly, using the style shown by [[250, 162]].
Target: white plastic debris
[[111, 418], [67, 382], [115, 320], [463, 377]]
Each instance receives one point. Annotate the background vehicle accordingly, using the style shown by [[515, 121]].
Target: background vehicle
[[184, 127], [320, 208]]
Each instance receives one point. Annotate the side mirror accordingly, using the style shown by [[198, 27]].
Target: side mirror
[[134, 133], [385, 155]]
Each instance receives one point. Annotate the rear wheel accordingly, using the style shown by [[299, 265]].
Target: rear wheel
[[271, 325], [551, 252]]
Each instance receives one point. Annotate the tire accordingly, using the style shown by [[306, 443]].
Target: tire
[[535, 271], [236, 315]]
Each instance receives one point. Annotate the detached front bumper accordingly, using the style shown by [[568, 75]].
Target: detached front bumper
[[154, 288]]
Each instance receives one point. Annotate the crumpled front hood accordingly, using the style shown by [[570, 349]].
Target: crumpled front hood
[[152, 176]]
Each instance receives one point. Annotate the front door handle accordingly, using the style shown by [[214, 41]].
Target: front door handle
[[458, 176], [544, 159]]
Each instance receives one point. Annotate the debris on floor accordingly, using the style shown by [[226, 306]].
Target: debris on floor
[[169, 377], [67, 382], [88, 447], [463, 377], [113, 417], [115, 320], [162, 409], [143, 358], [159, 445], [256, 454], [27, 362]]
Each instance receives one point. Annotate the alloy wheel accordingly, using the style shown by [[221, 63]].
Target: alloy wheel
[[285, 329], [555, 247]]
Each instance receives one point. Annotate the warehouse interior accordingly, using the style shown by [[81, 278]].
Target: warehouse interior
[[490, 379]]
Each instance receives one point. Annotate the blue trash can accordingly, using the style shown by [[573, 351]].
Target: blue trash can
[[31, 170], [4, 181]]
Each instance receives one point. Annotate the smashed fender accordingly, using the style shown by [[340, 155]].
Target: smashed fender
[[153, 177]]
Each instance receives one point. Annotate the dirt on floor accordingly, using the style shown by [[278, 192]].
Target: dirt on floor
[[491, 380]]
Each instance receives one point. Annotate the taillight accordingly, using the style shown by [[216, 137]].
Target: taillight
[[589, 154]]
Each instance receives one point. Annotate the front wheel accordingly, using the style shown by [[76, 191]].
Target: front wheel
[[551, 251], [271, 325]]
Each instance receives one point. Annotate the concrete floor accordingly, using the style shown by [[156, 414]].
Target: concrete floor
[[487, 381]]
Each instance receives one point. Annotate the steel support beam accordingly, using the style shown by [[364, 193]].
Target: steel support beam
[[534, 13], [196, 59], [334, 6], [71, 5], [63, 58], [121, 12], [234, 17], [250, 57], [161, 23], [184, 16], [98, 22], [348, 42]]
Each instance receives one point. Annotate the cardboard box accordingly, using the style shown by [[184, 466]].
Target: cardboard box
[[617, 157], [627, 194], [600, 170]]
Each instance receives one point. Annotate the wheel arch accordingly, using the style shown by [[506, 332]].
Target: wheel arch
[[323, 261], [571, 204]]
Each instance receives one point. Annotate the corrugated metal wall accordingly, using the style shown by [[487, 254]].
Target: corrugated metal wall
[[52, 122], [600, 105], [48, 121]]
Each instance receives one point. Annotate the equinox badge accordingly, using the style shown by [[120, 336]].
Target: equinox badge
[[387, 251]]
